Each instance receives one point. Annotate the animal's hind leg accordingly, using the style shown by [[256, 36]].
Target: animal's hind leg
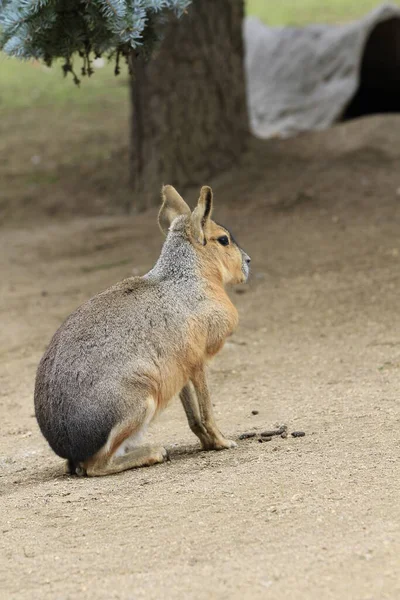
[[142, 456], [123, 450]]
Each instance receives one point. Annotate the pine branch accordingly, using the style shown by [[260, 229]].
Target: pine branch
[[51, 29]]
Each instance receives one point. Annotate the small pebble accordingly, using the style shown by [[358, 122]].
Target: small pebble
[[254, 412], [264, 439], [298, 434], [284, 435], [246, 436], [297, 498]]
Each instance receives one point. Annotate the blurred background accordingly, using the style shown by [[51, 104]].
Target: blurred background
[[66, 149]]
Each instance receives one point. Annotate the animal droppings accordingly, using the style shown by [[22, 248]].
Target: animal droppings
[[282, 429], [296, 434], [246, 436], [254, 412], [265, 439]]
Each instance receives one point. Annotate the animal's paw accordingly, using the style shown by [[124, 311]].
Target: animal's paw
[[159, 455], [220, 444], [228, 444], [166, 455], [80, 471]]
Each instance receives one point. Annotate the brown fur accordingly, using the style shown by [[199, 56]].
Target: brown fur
[[123, 355]]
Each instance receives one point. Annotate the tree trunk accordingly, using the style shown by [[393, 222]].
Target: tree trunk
[[189, 115]]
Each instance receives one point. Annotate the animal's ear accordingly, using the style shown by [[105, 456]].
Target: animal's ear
[[202, 214], [173, 205]]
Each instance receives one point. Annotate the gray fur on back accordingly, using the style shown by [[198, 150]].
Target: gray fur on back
[[100, 356]]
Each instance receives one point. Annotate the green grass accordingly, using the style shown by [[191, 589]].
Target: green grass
[[29, 83], [303, 12]]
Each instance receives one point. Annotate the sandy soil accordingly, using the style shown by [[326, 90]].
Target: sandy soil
[[318, 348]]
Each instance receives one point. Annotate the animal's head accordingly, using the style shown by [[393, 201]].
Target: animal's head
[[218, 253]]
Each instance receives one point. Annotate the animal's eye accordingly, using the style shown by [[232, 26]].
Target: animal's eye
[[223, 240]]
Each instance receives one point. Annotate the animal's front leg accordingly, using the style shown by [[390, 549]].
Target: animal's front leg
[[191, 406], [213, 439]]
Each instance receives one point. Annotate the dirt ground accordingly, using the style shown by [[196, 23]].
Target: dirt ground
[[317, 348]]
